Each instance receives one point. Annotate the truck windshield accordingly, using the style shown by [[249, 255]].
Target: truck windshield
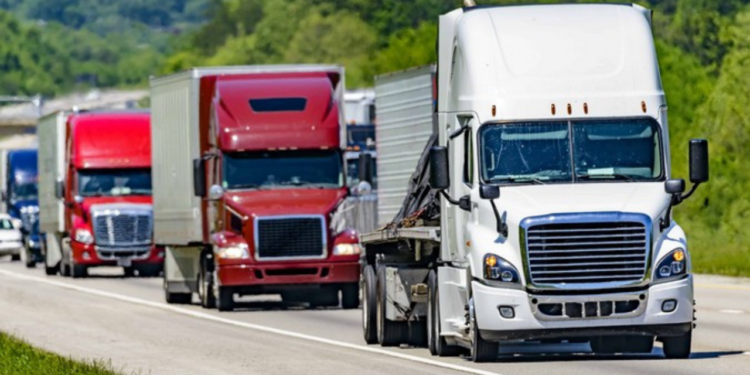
[[24, 192], [114, 182], [567, 151], [318, 168]]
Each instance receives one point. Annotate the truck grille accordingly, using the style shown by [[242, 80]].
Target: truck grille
[[297, 237], [581, 253], [122, 228]]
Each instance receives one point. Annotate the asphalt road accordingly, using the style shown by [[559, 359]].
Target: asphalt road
[[126, 322]]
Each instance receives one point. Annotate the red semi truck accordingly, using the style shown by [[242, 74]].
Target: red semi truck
[[95, 193], [249, 181]]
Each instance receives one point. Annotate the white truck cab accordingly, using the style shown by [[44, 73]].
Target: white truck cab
[[553, 170]]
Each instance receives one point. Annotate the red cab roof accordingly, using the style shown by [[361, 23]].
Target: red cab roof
[[110, 139], [276, 111]]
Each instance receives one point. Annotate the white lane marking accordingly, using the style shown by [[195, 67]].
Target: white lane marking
[[732, 311], [205, 316], [746, 353]]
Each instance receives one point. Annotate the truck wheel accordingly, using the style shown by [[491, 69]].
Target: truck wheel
[[350, 296], [15, 257], [225, 299], [677, 347], [129, 271], [148, 270], [390, 333], [437, 344], [205, 285], [622, 344], [369, 304], [481, 349], [78, 271]]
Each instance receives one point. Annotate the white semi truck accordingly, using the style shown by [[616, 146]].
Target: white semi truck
[[540, 209]]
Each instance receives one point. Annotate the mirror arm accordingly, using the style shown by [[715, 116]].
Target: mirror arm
[[458, 132], [689, 193], [448, 198], [502, 228]]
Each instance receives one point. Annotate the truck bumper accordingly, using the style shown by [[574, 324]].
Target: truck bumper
[[538, 316], [89, 256], [259, 279]]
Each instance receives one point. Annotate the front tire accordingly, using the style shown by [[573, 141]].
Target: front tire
[[369, 305], [350, 296], [15, 257], [78, 271], [436, 343], [205, 283], [225, 299], [678, 347], [481, 349]]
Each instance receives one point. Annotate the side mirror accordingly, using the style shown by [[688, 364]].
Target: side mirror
[[489, 191], [698, 161], [215, 192], [674, 186], [60, 189], [365, 167], [199, 177], [439, 178]]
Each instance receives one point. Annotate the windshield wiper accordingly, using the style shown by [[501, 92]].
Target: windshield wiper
[[608, 176], [532, 180], [245, 186]]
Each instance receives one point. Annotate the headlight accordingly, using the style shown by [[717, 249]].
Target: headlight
[[347, 249], [672, 265], [233, 252], [84, 236], [498, 269]]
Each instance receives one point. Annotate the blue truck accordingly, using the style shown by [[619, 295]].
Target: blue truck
[[20, 199]]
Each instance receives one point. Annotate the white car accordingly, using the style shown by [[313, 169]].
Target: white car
[[11, 239]]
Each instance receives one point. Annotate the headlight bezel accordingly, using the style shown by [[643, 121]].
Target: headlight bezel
[[234, 251], [675, 262], [84, 236], [498, 270]]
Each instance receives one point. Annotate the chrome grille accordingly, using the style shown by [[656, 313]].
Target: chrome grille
[[587, 252], [290, 237], [122, 226]]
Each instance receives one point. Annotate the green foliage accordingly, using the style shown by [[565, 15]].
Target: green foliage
[[19, 358]]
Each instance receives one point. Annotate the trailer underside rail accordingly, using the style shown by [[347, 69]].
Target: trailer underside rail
[[390, 235]]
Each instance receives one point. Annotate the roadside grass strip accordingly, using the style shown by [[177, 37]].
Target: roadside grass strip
[[20, 358]]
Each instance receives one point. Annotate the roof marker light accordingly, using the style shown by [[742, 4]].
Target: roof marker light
[[643, 106], [585, 108], [494, 110], [570, 109], [553, 109]]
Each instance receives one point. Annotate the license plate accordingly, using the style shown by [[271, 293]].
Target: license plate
[[124, 262]]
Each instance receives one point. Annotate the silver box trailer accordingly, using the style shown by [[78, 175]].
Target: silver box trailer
[[51, 135], [404, 112]]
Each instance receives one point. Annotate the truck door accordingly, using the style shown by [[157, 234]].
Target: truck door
[[462, 177]]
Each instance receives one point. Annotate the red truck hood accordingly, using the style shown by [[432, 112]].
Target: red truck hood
[[254, 203], [132, 199]]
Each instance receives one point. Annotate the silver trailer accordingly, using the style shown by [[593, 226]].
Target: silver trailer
[[51, 134]]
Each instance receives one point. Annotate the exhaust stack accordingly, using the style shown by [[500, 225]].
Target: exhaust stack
[[469, 3]]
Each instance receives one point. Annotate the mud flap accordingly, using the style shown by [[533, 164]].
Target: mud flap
[[181, 267], [53, 250]]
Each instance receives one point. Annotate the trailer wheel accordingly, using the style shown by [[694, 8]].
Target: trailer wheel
[[225, 299], [390, 333], [369, 304], [205, 283], [678, 347], [437, 344], [350, 296]]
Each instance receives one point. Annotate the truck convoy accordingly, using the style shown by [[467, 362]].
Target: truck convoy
[[541, 206], [249, 176], [19, 199], [95, 193]]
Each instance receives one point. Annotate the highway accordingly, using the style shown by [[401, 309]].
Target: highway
[[125, 321]]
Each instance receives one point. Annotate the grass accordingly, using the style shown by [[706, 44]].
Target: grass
[[20, 358]]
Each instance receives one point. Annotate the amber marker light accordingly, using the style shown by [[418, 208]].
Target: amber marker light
[[491, 261], [679, 255], [553, 109], [494, 110], [570, 109], [585, 108], [643, 106]]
